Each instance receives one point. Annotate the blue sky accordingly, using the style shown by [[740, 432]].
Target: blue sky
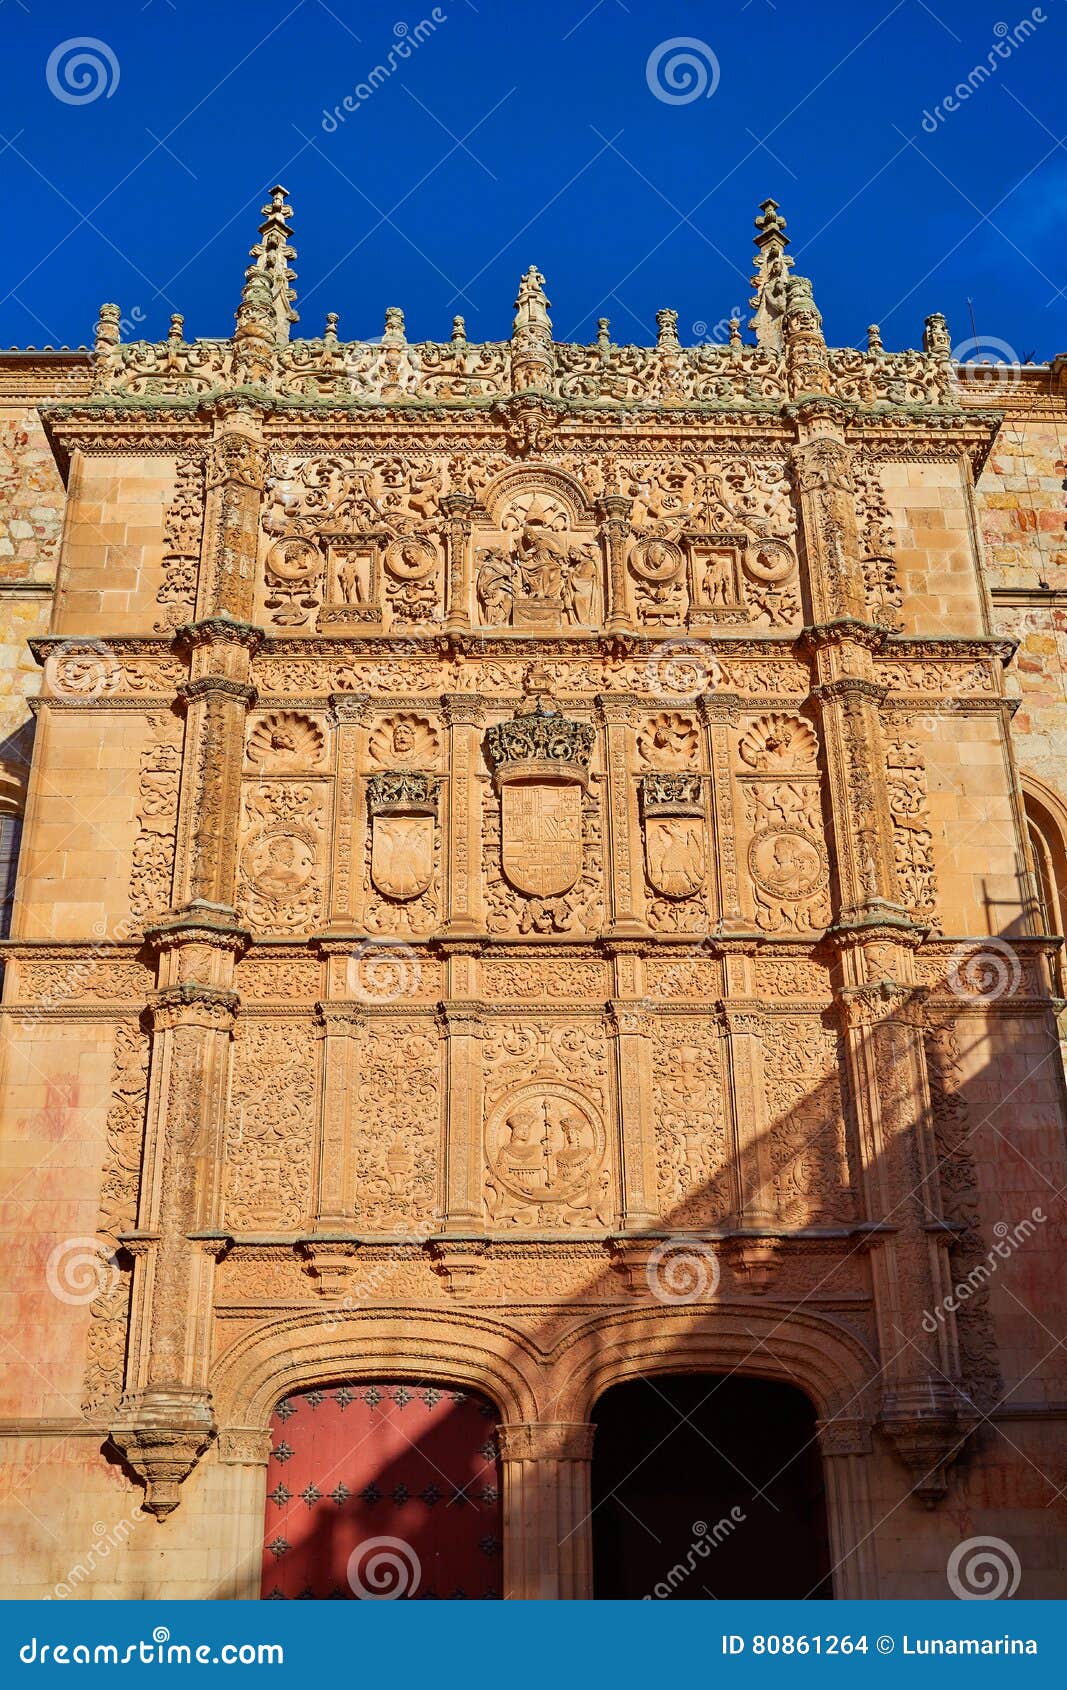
[[516, 133]]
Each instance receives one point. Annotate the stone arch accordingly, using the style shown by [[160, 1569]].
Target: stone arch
[[539, 478], [832, 1366], [1046, 825], [298, 1352]]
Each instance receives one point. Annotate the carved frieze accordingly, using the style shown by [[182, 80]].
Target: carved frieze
[[270, 1123]]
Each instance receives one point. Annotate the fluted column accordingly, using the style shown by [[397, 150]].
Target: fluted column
[[464, 1158], [547, 1524], [625, 881], [614, 513], [846, 1448], [464, 716], [631, 1028], [458, 509]]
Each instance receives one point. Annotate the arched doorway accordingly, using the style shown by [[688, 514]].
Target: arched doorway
[[708, 1487], [378, 1489]]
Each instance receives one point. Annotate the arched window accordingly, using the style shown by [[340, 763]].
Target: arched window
[[12, 805], [1046, 822]]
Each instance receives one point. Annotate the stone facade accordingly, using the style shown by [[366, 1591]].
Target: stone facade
[[526, 882]]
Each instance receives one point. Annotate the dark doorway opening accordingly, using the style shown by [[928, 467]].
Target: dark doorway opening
[[708, 1488]]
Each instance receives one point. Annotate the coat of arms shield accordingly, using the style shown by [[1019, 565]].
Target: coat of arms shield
[[401, 860], [542, 836], [674, 854]]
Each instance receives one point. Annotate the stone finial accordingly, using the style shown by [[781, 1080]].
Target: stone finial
[[176, 332], [667, 330], [459, 331], [108, 331], [329, 334], [770, 276], [271, 255], [531, 334], [394, 333], [603, 334], [936, 338], [802, 338], [735, 331], [874, 340]]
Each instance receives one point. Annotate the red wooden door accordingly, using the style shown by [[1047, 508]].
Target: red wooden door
[[383, 1491]]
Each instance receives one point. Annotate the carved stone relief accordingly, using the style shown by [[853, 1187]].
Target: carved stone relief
[[806, 1114], [546, 1140], [281, 858], [270, 1126], [692, 1157], [398, 1131], [785, 850]]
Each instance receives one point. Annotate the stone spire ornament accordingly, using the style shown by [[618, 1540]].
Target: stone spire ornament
[[266, 310], [272, 254], [770, 276], [531, 334]]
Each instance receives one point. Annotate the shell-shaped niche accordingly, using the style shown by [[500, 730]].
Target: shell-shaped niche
[[405, 740], [285, 740], [669, 741], [779, 742]]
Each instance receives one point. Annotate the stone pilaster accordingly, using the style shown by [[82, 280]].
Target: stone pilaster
[[235, 475], [624, 879], [165, 1418], [718, 711], [348, 712], [341, 1026], [924, 1413], [828, 531], [216, 699], [547, 1529], [613, 512], [458, 510], [464, 1159], [464, 716], [631, 1028], [747, 1092]]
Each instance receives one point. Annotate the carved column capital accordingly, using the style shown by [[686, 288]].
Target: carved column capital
[[188, 1004], [546, 1440], [463, 709], [349, 709]]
